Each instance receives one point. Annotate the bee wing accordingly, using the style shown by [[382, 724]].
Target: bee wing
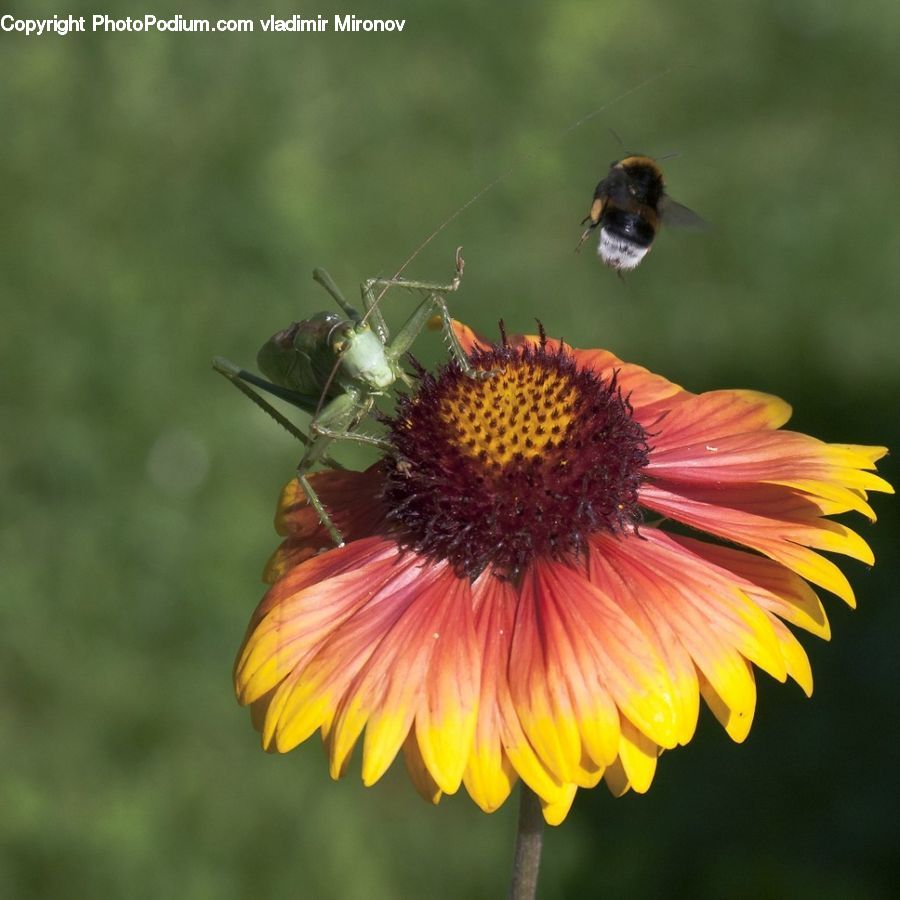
[[676, 214]]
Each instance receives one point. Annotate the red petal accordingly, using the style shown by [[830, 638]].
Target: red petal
[[705, 418]]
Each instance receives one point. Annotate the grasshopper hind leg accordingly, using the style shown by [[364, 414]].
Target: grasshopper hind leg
[[315, 446], [336, 421], [324, 517], [236, 375]]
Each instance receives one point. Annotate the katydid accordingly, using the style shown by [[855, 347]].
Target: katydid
[[334, 368]]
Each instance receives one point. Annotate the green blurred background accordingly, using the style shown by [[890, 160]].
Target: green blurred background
[[164, 199]]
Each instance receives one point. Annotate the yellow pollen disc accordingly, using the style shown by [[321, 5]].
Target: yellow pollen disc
[[521, 412]]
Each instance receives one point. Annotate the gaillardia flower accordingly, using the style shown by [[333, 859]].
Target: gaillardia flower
[[510, 602]]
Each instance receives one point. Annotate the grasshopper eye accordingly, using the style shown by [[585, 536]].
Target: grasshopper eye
[[341, 340]]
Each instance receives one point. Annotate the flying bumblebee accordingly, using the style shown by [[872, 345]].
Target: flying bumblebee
[[629, 205]]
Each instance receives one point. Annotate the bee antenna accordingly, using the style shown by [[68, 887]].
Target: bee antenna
[[618, 138], [673, 154]]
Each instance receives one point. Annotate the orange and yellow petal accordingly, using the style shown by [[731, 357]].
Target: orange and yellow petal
[[705, 614], [774, 520], [634, 590], [576, 664], [447, 715], [407, 678], [769, 584], [307, 699], [705, 418], [636, 764], [547, 673], [302, 609], [490, 775], [501, 751], [762, 457]]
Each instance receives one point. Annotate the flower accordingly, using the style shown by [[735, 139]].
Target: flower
[[504, 605]]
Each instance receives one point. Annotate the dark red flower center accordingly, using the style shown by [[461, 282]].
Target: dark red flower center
[[525, 463]]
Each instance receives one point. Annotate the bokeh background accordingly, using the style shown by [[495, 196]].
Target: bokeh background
[[165, 198]]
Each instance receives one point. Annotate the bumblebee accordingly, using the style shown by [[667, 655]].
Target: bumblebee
[[629, 205]]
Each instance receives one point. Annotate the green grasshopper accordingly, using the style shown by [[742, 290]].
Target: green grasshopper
[[334, 368]]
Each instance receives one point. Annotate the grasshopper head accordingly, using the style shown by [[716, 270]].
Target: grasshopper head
[[363, 357]]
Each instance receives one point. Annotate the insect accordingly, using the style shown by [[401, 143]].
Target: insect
[[335, 367], [629, 205]]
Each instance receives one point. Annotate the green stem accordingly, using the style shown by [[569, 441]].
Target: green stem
[[529, 840]]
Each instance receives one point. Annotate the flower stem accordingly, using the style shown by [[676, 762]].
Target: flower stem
[[529, 840]]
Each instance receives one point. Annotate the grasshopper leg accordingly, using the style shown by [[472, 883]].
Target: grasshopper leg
[[335, 421], [451, 341], [235, 375], [324, 517]]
